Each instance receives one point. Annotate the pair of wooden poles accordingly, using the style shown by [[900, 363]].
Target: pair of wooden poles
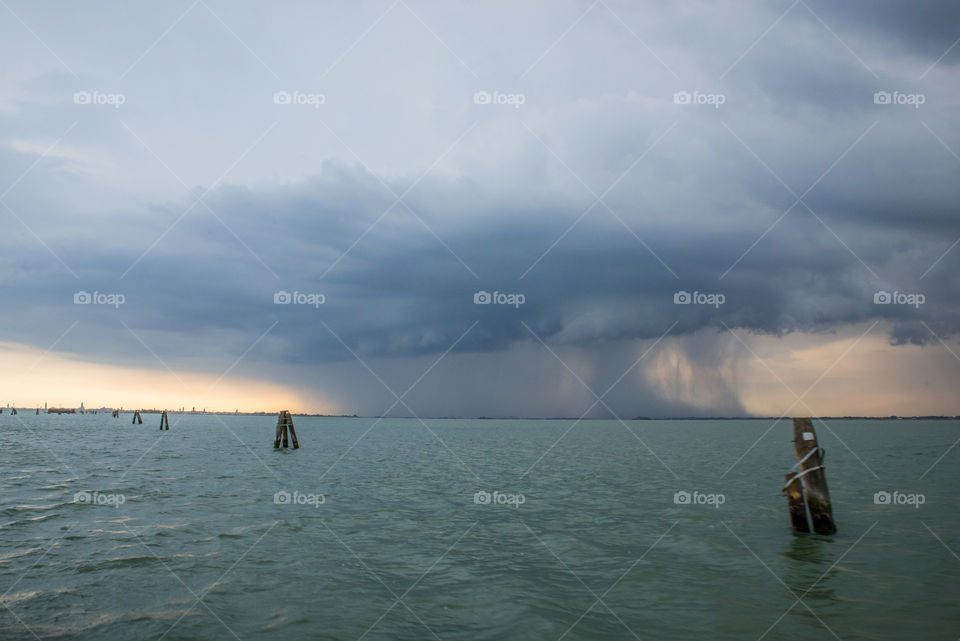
[[285, 424]]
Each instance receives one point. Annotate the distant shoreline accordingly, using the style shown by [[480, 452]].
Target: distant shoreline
[[104, 410]]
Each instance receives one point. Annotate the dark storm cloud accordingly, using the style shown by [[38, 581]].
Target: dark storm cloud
[[926, 27], [697, 192]]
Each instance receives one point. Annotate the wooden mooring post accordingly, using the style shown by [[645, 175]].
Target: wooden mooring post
[[285, 423], [806, 485], [136, 418], [13, 410], [164, 421]]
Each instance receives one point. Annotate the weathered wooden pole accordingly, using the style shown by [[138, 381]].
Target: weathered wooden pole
[[285, 425], [38, 411], [164, 421], [136, 418], [276, 439], [293, 432], [13, 411], [806, 485]]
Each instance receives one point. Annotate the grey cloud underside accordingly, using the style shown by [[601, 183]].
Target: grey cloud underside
[[399, 292]]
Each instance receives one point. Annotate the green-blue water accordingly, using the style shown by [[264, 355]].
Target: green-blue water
[[399, 549]]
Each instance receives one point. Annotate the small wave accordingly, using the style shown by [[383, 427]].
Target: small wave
[[35, 519]]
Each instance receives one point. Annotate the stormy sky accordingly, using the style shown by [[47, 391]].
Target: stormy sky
[[496, 208]]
